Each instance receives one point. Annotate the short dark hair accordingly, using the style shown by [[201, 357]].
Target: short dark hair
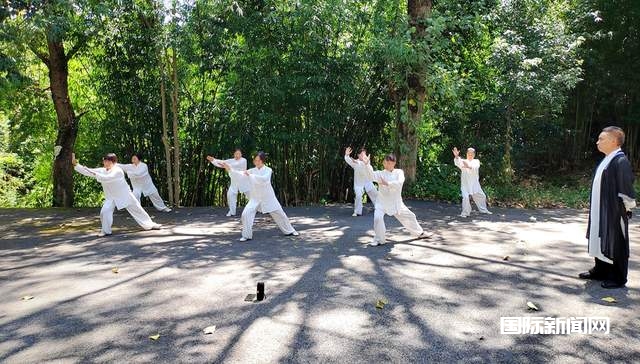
[[110, 157], [237, 150], [137, 155], [363, 149], [616, 132], [262, 155], [390, 157]]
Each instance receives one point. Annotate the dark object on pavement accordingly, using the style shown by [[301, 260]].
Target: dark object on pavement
[[260, 295]]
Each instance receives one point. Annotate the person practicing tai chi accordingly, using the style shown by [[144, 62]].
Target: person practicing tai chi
[[612, 198], [470, 182], [389, 200], [361, 180], [141, 182], [116, 193], [262, 198], [238, 184]]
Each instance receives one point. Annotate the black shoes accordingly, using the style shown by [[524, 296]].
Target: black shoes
[[607, 283], [589, 275]]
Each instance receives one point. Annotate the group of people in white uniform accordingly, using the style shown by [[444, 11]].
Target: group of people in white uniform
[[387, 198], [117, 193], [255, 184], [612, 198]]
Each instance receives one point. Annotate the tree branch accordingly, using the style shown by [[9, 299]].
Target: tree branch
[[78, 116], [42, 56], [76, 48]]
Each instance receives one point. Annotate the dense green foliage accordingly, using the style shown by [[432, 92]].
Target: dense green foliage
[[527, 83]]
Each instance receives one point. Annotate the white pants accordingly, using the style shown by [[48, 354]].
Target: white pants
[[249, 215], [404, 216], [155, 198], [359, 192], [136, 211], [479, 198], [232, 198]]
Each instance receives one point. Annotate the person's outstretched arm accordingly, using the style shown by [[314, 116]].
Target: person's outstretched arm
[[348, 159], [215, 162], [85, 171], [457, 161]]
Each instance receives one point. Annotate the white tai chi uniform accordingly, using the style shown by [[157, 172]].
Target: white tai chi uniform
[[361, 182], [238, 184], [470, 186], [142, 184], [116, 195], [262, 198], [389, 201]]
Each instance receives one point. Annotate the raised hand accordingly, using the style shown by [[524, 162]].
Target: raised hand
[[348, 151], [210, 158], [74, 161], [456, 152], [367, 159]]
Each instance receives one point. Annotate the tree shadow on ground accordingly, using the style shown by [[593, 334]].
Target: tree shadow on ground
[[445, 295]]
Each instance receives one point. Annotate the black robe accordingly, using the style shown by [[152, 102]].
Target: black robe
[[616, 178]]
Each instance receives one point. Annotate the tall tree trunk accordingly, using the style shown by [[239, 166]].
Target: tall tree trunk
[[176, 137], [418, 11], [57, 63], [507, 165], [165, 129], [577, 148]]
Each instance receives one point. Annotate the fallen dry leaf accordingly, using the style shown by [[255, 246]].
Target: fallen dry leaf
[[532, 306], [609, 299], [209, 330], [26, 298], [380, 304], [506, 257], [154, 337], [114, 270]]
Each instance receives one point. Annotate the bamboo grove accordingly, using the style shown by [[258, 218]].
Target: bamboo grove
[[527, 83]]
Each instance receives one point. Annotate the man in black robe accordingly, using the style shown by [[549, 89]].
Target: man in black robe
[[612, 198]]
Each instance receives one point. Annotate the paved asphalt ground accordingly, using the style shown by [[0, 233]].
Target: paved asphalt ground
[[445, 296]]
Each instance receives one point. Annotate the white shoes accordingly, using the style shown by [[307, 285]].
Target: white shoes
[[166, 210], [376, 243], [244, 239], [294, 233], [156, 227], [102, 233], [425, 235], [487, 212], [229, 214], [354, 214]]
